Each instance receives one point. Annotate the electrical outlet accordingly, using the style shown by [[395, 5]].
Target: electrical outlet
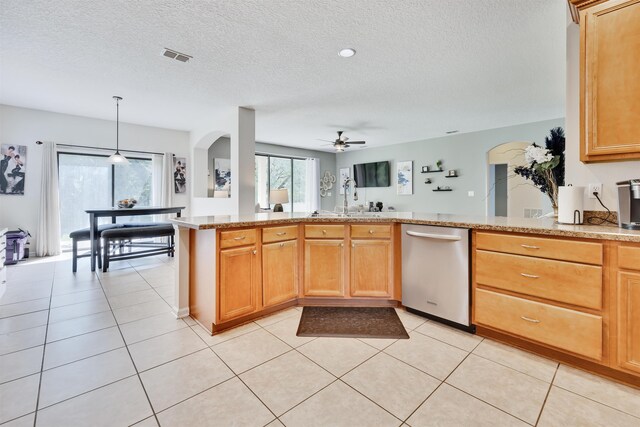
[[595, 188]]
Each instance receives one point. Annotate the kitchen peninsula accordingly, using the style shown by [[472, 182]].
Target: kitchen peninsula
[[567, 292]]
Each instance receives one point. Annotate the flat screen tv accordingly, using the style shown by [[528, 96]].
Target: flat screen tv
[[374, 174]]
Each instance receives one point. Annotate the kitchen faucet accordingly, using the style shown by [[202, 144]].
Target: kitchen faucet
[[345, 204]]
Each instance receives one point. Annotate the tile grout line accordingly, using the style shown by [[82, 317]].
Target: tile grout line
[[130, 357], [546, 396], [44, 350]]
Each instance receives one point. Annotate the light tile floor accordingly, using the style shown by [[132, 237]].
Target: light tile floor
[[105, 349]]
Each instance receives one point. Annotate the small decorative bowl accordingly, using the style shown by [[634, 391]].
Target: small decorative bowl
[[127, 203]]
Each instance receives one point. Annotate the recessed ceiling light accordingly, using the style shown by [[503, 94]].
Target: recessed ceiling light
[[347, 53], [452, 131]]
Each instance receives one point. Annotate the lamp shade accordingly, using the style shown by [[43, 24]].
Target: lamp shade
[[279, 196]]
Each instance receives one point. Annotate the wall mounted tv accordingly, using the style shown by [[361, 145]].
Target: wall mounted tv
[[374, 174]]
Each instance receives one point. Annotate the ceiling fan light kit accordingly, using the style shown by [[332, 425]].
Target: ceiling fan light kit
[[343, 142]]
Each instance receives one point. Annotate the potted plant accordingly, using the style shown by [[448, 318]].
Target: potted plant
[[545, 165]]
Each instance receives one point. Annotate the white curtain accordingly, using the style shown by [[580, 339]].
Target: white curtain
[[163, 182], [312, 192], [48, 232]]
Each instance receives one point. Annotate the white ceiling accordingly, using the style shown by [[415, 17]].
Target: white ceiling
[[423, 67]]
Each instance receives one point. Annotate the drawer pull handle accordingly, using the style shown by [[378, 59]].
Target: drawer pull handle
[[240, 238], [530, 247], [282, 233], [530, 276], [528, 319], [282, 245], [371, 231]]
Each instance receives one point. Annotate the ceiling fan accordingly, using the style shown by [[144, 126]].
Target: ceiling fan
[[341, 142]]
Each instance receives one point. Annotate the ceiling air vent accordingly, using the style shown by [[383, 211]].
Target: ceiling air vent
[[182, 57]]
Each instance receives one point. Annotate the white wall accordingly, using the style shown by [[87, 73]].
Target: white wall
[[578, 173], [467, 153], [521, 193], [22, 126]]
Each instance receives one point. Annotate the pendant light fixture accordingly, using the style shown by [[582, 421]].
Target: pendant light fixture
[[117, 158]]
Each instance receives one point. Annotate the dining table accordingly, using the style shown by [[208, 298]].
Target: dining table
[[113, 213]]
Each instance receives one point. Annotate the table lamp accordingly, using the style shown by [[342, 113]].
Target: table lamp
[[278, 197]]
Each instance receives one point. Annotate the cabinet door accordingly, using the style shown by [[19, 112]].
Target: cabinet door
[[279, 272], [324, 268], [239, 283], [610, 42], [628, 294], [371, 268]]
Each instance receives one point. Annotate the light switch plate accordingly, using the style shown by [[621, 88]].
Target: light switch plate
[[471, 193]]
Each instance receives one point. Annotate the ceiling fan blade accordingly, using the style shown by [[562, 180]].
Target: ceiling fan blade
[[325, 140], [357, 142]]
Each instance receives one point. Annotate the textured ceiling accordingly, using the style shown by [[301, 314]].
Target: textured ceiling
[[423, 67]]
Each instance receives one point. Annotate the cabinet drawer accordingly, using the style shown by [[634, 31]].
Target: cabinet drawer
[[541, 247], [279, 234], [230, 239], [377, 231], [561, 281], [570, 330], [629, 257], [324, 231]]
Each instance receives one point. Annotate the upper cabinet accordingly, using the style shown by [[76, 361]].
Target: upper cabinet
[[609, 83]]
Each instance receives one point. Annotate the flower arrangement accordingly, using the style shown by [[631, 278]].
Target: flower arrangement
[[545, 168]]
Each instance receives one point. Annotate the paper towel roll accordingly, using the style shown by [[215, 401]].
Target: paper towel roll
[[570, 200]]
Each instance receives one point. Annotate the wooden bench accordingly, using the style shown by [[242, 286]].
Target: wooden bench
[[114, 242], [83, 234]]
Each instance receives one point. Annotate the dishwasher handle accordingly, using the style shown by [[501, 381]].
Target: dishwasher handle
[[449, 238]]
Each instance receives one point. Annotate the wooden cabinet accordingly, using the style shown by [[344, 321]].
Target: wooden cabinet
[[279, 272], [371, 268], [324, 268], [609, 84], [570, 330], [628, 320], [523, 286], [239, 283]]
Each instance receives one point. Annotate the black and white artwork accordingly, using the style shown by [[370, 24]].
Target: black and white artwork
[[222, 169], [180, 174], [13, 168]]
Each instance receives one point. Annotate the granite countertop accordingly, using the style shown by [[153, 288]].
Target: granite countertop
[[545, 226]]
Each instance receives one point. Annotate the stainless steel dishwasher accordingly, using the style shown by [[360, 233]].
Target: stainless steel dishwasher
[[435, 273]]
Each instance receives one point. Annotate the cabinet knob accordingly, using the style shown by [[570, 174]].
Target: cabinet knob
[[353, 245], [281, 245], [371, 231], [324, 231], [254, 251], [341, 245]]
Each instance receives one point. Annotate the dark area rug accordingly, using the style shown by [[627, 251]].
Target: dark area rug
[[351, 322]]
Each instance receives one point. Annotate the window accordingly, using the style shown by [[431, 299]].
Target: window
[[274, 172], [87, 181]]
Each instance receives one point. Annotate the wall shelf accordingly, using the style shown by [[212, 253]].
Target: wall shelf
[[441, 170], [451, 176], [443, 189]]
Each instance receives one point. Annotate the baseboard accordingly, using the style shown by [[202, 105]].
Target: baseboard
[[181, 313]]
